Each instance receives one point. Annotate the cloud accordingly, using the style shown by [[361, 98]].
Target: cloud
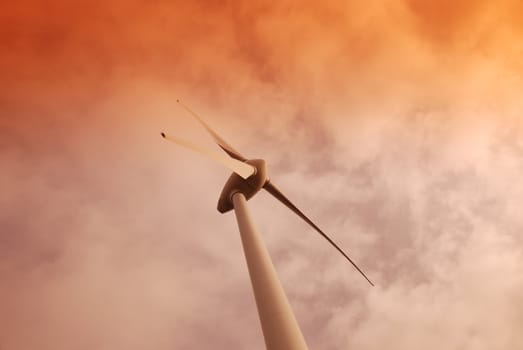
[[395, 125]]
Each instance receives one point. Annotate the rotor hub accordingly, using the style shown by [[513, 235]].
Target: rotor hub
[[248, 187]]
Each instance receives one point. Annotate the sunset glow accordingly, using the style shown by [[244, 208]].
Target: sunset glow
[[403, 117]]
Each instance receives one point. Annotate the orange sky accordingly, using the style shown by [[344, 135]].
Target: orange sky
[[403, 118]]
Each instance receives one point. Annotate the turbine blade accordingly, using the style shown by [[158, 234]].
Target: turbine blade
[[273, 190], [217, 138], [242, 169]]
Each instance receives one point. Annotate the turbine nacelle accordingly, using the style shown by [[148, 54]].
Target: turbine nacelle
[[248, 187]]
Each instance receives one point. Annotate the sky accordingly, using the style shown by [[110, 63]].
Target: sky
[[395, 125]]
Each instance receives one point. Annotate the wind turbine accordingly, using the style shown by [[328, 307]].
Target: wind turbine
[[279, 326]]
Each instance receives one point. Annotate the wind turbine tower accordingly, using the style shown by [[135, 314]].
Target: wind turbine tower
[[280, 328]]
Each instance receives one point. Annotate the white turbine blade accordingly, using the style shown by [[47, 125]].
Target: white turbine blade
[[242, 169], [272, 189], [217, 138]]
